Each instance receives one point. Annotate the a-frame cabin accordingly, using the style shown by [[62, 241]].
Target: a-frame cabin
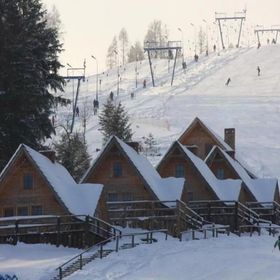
[[200, 139]]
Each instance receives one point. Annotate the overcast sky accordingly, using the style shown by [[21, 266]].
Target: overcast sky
[[89, 25]]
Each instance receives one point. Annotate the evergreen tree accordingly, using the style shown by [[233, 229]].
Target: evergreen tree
[[123, 38], [28, 71], [113, 120], [72, 153], [111, 53], [150, 145]]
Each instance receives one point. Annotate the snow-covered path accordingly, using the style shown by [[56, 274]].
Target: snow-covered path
[[224, 258], [231, 258]]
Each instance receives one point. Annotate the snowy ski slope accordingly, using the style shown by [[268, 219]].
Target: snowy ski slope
[[250, 103]]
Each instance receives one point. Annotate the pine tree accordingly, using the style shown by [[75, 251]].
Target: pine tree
[[28, 71], [72, 154], [150, 145], [111, 53], [113, 120]]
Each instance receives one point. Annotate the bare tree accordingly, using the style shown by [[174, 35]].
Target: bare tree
[[123, 38], [135, 52], [111, 55]]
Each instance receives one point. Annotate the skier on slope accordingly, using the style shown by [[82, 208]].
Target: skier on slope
[[277, 243], [259, 70], [228, 81]]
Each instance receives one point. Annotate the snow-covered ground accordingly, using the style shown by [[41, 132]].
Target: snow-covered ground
[[30, 262], [250, 103], [228, 258]]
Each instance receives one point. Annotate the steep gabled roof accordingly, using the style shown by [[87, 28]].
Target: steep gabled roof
[[78, 199], [209, 131], [161, 188], [224, 189], [262, 189]]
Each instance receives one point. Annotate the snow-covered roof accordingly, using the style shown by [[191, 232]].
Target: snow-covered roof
[[262, 189], [228, 189], [165, 189], [79, 199], [211, 132]]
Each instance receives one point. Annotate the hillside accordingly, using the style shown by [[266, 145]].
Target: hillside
[[250, 103]]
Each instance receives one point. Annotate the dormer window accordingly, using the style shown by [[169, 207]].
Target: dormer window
[[28, 181], [179, 171], [220, 173], [117, 169]]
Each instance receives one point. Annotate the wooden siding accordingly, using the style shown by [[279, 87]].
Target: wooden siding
[[195, 188], [201, 138], [220, 163], [129, 186], [13, 195]]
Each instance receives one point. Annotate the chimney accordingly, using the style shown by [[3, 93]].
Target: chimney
[[230, 137], [134, 145], [50, 154]]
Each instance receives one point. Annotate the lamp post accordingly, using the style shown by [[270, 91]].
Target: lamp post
[[182, 43], [118, 84], [136, 71], [194, 36], [73, 91], [96, 76]]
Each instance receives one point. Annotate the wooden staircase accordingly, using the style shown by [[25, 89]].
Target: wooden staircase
[[98, 251]]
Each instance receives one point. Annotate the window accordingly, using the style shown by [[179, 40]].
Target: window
[[112, 197], [117, 169], [179, 171], [36, 210], [220, 173], [28, 181], [8, 212], [22, 211]]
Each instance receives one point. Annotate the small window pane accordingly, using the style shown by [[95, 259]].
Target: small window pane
[[22, 211], [117, 169], [37, 210], [220, 173], [8, 212], [179, 171], [27, 181]]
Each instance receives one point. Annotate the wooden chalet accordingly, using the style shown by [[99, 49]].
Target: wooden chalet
[[200, 139], [201, 183], [256, 189], [128, 176], [33, 183]]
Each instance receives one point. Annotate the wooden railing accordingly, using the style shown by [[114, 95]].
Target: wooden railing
[[16, 228], [214, 229], [173, 215], [233, 213], [189, 216], [99, 251], [271, 229], [266, 210]]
